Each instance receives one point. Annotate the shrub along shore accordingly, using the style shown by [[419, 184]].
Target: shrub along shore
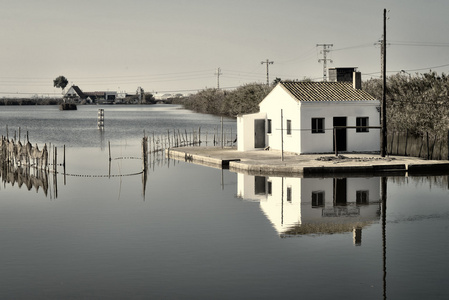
[[30, 101]]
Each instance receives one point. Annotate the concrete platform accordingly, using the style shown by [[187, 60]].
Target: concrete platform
[[310, 165]]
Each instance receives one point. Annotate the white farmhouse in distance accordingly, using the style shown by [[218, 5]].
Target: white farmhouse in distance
[[301, 117]]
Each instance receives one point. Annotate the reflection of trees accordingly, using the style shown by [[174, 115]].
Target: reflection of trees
[[324, 228], [439, 181], [23, 177]]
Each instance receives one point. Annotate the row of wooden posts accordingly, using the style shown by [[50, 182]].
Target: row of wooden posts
[[178, 138]]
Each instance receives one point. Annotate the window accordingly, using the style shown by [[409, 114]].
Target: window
[[269, 126], [269, 187], [289, 127], [289, 194], [362, 121], [317, 125], [362, 197], [318, 199]]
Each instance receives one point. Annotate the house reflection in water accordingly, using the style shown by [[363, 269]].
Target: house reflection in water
[[298, 206]]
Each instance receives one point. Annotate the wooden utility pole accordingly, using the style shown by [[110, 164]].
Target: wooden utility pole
[[383, 140]]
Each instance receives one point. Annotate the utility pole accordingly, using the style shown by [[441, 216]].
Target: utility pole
[[268, 63], [141, 94], [325, 51], [383, 140], [218, 77]]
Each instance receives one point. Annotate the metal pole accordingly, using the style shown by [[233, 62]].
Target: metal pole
[[222, 132], [335, 141], [282, 136]]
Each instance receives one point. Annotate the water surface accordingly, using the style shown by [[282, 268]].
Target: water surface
[[184, 231]]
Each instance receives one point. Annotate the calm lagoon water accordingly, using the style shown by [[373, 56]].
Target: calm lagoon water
[[186, 231]]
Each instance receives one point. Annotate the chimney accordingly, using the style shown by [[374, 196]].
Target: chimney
[[357, 80]]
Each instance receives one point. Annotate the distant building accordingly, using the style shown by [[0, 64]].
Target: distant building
[[300, 117], [75, 93]]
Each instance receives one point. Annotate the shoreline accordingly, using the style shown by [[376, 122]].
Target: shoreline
[[261, 162]]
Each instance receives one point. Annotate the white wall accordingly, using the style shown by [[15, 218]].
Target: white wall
[[279, 99], [246, 188], [245, 131], [283, 214], [356, 141]]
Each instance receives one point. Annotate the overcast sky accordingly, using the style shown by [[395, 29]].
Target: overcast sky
[[171, 46]]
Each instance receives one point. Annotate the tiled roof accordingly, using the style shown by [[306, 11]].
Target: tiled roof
[[78, 91], [325, 91]]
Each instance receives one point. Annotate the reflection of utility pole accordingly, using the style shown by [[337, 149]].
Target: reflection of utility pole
[[325, 51], [383, 116], [268, 63], [218, 78], [383, 187]]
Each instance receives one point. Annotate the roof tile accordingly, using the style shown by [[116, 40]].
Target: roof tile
[[325, 91]]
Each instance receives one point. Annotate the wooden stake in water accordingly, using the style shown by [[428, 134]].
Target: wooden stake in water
[[109, 144], [55, 161]]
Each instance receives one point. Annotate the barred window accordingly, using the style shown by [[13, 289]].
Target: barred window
[[362, 121], [317, 125], [289, 127], [318, 199]]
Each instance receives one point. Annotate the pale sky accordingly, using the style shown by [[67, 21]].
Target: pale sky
[[176, 46]]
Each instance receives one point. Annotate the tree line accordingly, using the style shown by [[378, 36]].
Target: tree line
[[243, 100], [416, 103]]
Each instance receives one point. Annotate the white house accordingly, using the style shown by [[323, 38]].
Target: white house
[[302, 117]]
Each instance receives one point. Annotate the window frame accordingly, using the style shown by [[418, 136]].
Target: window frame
[[318, 199], [317, 125], [289, 127], [362, 197], [289, 194], [269, 124], [362, 121]]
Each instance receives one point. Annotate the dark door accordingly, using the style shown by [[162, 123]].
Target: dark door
[[259, 133], [340, 191], [260, 183], [341, 133]]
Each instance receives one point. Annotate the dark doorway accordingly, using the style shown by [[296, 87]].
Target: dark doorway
[[259, 133], [341, 133], [340, 191], [259, 185]]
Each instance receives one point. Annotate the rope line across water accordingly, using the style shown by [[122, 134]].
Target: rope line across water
[[102, 176]]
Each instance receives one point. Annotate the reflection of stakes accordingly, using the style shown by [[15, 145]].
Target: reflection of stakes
[[22, 176]]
